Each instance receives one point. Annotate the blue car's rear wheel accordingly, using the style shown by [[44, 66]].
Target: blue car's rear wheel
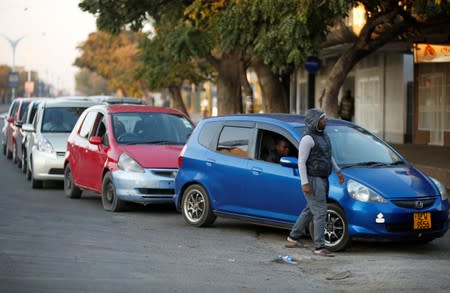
[[336, 229], [196, 208]]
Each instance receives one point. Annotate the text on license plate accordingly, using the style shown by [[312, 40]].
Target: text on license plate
[[422, 221]]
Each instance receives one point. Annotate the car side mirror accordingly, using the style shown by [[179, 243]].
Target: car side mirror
[[290, 162], [10, 119], [97, 140], [28, 127]]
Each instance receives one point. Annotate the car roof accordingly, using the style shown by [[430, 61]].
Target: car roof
[[60, 102], [126, 108], [278, 118]]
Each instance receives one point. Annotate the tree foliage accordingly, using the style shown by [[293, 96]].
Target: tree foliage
[[115, 58], [90, 83]]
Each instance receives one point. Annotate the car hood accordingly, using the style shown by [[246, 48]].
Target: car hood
[[394, 182], [57, 140], [154, 156]]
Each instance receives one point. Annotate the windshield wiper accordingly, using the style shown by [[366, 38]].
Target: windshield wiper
[[364, 164], [399, 162]]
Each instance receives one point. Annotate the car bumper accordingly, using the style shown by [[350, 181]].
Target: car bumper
[[48, 166], [388, 221], [147, 187]]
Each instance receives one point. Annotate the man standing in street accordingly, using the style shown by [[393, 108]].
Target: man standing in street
[[315, 164]]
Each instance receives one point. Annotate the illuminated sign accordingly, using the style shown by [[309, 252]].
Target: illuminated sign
[[427, 53]]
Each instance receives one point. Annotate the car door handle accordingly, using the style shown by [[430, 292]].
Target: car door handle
[[256, 171], [210, 162]]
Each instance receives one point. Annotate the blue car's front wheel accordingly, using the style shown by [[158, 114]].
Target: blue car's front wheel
[[196, 208], [336, 229]]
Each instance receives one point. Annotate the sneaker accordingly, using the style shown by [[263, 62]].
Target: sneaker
[[323, 252]]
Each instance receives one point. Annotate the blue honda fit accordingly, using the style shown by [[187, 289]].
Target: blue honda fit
[[223, 171]]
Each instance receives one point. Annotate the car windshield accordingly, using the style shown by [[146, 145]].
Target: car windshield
[[355, 146], [151, 128], [60, 119]]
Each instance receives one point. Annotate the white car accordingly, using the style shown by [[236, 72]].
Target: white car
[[50, 130]]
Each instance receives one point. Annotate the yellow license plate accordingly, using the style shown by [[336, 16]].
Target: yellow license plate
[[422, 221]]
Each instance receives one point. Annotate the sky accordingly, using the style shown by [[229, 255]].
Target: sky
[[51, 31]]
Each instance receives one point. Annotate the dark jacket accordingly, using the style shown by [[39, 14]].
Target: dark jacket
[[318, 163]]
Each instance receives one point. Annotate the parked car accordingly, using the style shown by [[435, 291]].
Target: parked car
[[126, 153], [12, 132], [223, 172], [25, 144], [55, 119]]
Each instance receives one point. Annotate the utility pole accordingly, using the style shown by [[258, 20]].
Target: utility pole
[[13, 44]]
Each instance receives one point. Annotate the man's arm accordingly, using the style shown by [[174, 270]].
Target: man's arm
[[306, 144]]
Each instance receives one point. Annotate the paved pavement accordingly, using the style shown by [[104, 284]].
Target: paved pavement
[[433, 160]]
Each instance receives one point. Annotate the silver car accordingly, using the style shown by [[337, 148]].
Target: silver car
[[50, 130]]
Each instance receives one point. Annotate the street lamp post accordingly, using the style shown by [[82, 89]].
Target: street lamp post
[[13, 44]]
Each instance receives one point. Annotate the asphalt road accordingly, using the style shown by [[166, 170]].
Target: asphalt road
[[50, 243]]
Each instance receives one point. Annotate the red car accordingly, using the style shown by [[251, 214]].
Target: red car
[[12, 132], [126, 153]]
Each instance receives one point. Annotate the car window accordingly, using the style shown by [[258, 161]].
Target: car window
[[32, 112], [207, 136], [23, 111], [151, 128], [354, 145], [13, 108], [100, 128], [60, 119], [267, 141], [88, 124], [234, 140]]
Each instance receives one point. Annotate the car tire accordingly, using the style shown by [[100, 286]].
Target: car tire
[[70, 189], [28, 173], [18, 161], [9, 154], [110, 201], [196, 207], [35, 184], [14, 154], [24, 162], [337, 237]]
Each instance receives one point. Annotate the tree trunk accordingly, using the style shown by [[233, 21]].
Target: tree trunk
[[275, 100], [370, 39], [178, 103], [229, 99], [329, 95]]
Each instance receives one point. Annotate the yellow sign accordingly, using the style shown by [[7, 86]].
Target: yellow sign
[[422, 221], [428, 53]]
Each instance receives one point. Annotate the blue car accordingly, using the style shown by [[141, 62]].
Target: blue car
[[224, 171]]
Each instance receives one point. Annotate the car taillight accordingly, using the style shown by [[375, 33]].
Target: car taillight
[[180, 161]]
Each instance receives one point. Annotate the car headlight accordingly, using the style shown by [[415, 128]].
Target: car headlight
[[126, 163], [363, 193], [441, 187], [44, 145]]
